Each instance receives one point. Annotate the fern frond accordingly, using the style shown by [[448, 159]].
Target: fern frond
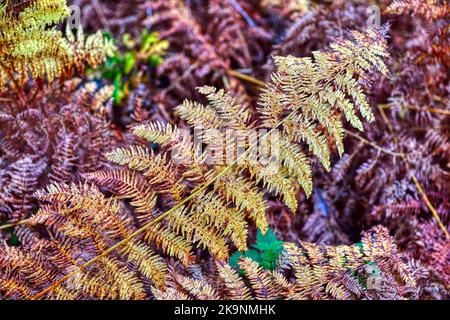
[[198, 115], [431, 9], [297, 164], [213, 212], [246, 196], [199, 289], [304, 131], [149, 264], [260, 280], [185, 223], [276, 180], [155, 168], [234, 284], [112, 280], [236, 116], [170, 243], [128, 185], [157, 132], [31, 45]]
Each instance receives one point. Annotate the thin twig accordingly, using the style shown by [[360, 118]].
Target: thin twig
[[430, 206], [432, 110], [245, 77], [374, 145], [13, 224], [242, 12], [99, 10]]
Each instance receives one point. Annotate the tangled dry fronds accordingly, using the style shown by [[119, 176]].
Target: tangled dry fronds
[[430, 9], [424, 64], [55, 140], [46, 137]]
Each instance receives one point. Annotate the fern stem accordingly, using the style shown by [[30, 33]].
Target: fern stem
[[100, 13], [430, 206], [245, 77], [242, 12], [14, 224], [432, 110], [374, 145]]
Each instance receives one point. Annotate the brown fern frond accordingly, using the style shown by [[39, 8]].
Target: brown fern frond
[[430, 9]]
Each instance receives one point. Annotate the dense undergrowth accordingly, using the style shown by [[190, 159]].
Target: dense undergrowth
[[221, 149]]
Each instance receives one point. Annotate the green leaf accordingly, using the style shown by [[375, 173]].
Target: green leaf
[[268, 241], [117, 94], [252, 254], [129, 62], [108, 36], [265, 251], [155, 60], [147, 40]]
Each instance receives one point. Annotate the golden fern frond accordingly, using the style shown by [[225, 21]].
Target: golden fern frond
[[22, 274], [235, 287], [14, 288], [84, 197], [149, 264], [304, 131], [157, 132], [131, 185], [31, 45], [156, 169], [214, 213], [91, 50], [109, 279], [276, 180], [283, 287], [128, 185], [297, 164], [195, 231], [198, 115], [199, 289], [328, 269], [34, 12], [246, 196], [236, 116], [170, 243], [209, 220], [327, 84], [182, 149], [83, 215], [260, 280], [134, 157], [270, 108], [315, 92]]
